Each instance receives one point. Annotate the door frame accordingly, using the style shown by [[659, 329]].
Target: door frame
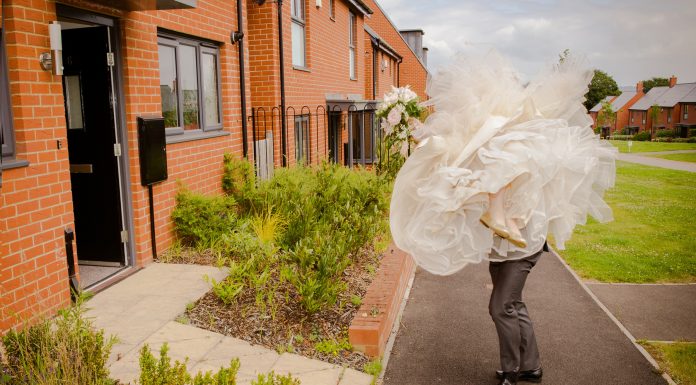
[[64, 11]]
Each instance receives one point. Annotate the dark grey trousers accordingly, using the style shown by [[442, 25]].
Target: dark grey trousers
[[518, 347]]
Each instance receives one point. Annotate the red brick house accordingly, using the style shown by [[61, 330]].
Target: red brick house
[[71, 158], [669, 102], [687, 116], [594, 113]]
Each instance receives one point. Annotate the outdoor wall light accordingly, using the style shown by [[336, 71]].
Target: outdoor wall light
[[53, 61], [318, 3]]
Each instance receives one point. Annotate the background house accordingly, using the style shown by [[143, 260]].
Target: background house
[[668, 103]]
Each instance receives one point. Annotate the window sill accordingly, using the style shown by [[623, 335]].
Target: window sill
[[13, 163], [190, 137], [299, 68]]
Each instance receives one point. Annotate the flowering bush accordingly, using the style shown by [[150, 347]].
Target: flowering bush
[[400, 116]]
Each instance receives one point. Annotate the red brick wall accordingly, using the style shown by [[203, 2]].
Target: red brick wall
[[412, 71], [622, 115], [691, 119], [635, 118], [35, 201]]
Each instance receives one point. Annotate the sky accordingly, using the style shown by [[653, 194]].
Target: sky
[[631, 40]]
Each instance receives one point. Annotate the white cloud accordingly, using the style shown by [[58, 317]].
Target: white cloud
[[629, 39]]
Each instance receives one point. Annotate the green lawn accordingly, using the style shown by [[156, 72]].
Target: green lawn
[[677, 359], [688, 157], [653, 235], [622, 145]]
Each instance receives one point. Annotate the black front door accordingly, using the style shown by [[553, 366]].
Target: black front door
[[94, 173]]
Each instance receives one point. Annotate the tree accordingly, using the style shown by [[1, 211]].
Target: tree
[[606, 116], [655, 117], [654, 82], [601, 86]]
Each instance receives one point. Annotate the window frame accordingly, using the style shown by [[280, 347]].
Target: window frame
[[304, 139], [685, 115], [669, 115], [360, 118], [298, 16], [352, 45], [7, 148], [201, 47]]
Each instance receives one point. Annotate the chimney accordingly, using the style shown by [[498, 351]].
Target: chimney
[[672, 81], [639, 87], [425, 56], [414, 38]]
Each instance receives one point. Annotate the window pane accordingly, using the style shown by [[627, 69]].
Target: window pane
[[298, 44], [352, 62], [73, 101], [297, 9], [210, 89], [189, 86], [167, 65]]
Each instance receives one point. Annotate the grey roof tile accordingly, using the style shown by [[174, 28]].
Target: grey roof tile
[[599, 105], [621, 101], [649, 99], [675, 94]]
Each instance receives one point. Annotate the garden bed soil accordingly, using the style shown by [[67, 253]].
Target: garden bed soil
[[289, 328]]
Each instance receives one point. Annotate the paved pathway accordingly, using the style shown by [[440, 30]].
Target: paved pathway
[[447, 337], [651, 153], [658, 162], [141, 309], [652, 312]]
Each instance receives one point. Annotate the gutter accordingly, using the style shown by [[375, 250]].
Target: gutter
[[284, 124]]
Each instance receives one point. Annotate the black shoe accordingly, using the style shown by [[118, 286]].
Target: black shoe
[[525, 375], [508, 378]]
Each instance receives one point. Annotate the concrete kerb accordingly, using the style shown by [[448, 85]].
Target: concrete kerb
[[611, 316], [396, 326]]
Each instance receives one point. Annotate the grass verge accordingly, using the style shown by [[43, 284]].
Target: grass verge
[[652, 238], [678, 359], [622, 145]]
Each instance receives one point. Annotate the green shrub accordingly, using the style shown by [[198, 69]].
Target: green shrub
[[161, 371], [67, 350], [685, 140], [621, 137], [274, 379], [373, 368], [301, 226], [665, 134], [202, 220], [333, 347], [642, 136], [626, 131], [238, 179], [692, 133]]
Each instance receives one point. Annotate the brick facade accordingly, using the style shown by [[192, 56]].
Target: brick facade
[[36, 200]]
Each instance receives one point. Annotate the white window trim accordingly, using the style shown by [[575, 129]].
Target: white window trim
[[352, 45], [301, 20]]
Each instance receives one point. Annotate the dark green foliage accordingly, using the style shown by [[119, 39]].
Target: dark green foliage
[[692, 132], [203, 220], [642, 136], [162, 372], [301, 227], [601, 86], [654, 82], [685, 140], [621, 137], [665, 134], [67, 350], [238, 179]]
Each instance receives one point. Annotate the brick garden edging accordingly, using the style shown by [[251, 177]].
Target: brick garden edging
[[370, 329]]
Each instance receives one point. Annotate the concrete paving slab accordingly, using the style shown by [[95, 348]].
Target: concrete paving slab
[[652, 312], [447, 337], [295, 364], [354, 377]]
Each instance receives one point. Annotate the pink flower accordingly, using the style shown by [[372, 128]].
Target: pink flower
[[394, 116]]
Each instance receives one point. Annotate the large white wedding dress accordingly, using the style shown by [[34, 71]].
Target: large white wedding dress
[[489, 131]]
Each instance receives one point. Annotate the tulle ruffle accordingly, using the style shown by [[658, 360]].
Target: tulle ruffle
[[489, 132]]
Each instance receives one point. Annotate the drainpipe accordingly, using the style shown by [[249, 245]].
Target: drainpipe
[[398, 72], [238, 36], [375, 51], [284, 124]]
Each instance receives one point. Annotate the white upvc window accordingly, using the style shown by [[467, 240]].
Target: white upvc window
[[299, 35], [686, 111], [352, 44]]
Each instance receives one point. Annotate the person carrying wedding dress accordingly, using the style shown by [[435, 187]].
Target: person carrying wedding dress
[[498, 167]]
